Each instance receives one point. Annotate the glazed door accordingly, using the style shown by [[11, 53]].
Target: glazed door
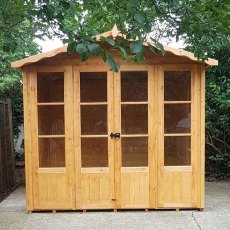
[[131, 121], [179, 115], [113, 154], [94, 148]]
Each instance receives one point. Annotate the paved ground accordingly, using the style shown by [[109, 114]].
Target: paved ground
[[215, 216]]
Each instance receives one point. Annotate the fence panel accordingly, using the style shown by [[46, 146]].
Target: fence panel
[[7, 177]]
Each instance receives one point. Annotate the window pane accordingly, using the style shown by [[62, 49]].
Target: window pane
[[94, 152], [177, 151], [134, 119], [51, 152], [50, 87], [134, 151], [134, 86], [177, 85], [93, 87], [51, 120], [177, 118], [93, 119]]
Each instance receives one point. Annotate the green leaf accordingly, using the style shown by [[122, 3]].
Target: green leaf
[[113, 64], [81, 48], [147, 28], [60, 17], [152, 48], [65, 5], [136, 46], [103, 55], [160, 47], [109, 41], [139, 17], [94, 33], [94, 48], [70, 48], [140, 56], [72, 5], [123, 53], [84, 57]]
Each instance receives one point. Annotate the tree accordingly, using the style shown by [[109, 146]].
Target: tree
[[203, 24], [218, 116], [16, 42]]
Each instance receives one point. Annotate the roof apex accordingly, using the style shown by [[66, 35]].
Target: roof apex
[[112, 33]]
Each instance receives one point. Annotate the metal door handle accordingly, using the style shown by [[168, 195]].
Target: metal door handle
[[115, 135]]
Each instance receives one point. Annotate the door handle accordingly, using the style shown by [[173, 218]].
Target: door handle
[[115, 135]]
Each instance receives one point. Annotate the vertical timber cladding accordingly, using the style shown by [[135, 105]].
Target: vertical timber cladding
[[78, 186], [179, 183]]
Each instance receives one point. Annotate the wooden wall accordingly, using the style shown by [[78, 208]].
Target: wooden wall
[[158, 186]]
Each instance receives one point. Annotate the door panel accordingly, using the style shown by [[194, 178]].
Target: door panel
[[96, 187], [134, 188]]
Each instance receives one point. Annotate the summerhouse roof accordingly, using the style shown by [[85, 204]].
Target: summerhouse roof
[[113, 33]]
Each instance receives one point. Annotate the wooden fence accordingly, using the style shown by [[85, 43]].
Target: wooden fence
[[7, 177]]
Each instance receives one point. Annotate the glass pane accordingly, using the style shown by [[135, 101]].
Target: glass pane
[[93, 119], [177, 151], [134, 86], [177, 85], [51, 152], [93, 87], [94, 152], [134, 119], [50, 87], [134, 151], [177, 118], [51, 120]]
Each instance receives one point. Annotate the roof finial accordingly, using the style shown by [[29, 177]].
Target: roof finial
[[115, 31]]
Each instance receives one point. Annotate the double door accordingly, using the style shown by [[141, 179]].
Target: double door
[[112, 138]]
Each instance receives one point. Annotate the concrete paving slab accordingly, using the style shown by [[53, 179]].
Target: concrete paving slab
[[215, 216]]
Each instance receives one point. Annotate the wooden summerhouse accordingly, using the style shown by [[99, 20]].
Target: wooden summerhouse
[[96, 139]]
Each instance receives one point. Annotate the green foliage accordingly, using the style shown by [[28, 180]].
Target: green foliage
[[218, 117], [16, 42], [204, 25], [11, 87]]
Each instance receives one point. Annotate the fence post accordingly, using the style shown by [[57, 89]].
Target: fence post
[[11, 135]]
